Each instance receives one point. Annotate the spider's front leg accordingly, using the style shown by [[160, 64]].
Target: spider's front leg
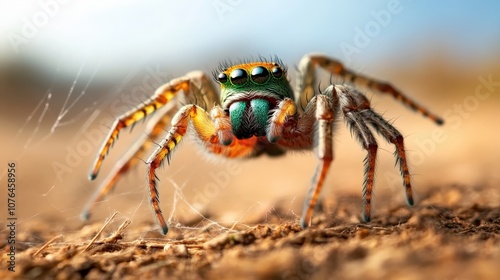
[[325, 110], [214, 132], [162, 96], [195, 85], [130, 159]]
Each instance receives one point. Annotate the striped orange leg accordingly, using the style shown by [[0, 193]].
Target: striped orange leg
[[368, 142], [162, 96], [306, 82], [392, 135], [354, 104], [325, 115], [155, 127], [214, 132]]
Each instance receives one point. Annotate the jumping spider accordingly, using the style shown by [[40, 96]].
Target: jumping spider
[[257, 112]]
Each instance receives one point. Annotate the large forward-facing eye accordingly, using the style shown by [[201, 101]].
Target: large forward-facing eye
[[260, 75], [222, 78], [277, 72], [239, 77]]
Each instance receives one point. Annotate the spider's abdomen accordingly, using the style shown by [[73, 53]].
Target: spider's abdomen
[[249, 117]]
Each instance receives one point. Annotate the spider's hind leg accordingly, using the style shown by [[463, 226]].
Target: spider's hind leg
[[353, 106], [359, 115], [306, 82], [392, 135]]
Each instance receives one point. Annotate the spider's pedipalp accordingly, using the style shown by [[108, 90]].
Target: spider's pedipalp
[[222, 126], [286, 108]]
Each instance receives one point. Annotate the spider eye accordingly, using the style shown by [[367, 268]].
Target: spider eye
[[260, 75], [239, 77], [222, 78], [277, 72]]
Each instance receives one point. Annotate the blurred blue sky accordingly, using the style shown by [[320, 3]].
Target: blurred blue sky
[[194, 34]]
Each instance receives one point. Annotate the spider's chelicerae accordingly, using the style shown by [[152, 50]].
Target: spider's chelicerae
[[257, 112]]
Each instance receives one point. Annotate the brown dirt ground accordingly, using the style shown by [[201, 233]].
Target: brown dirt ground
[[410, 243]]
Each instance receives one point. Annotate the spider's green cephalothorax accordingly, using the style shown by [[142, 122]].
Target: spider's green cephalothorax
[[249, 92]]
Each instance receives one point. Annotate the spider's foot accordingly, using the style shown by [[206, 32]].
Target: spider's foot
[[164, 230], [85, 215], [304, 224], [366, 218], [410, 201], [92, 176]]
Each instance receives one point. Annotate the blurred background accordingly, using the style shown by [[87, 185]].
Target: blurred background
[[68, 68]]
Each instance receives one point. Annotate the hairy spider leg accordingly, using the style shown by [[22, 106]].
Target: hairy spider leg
[[353, 104], [306, 82], [315, 125], [154, 129], [357, 113], [130, 159], [325, 114], [392, 135], [161, 97], [214, 131]]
